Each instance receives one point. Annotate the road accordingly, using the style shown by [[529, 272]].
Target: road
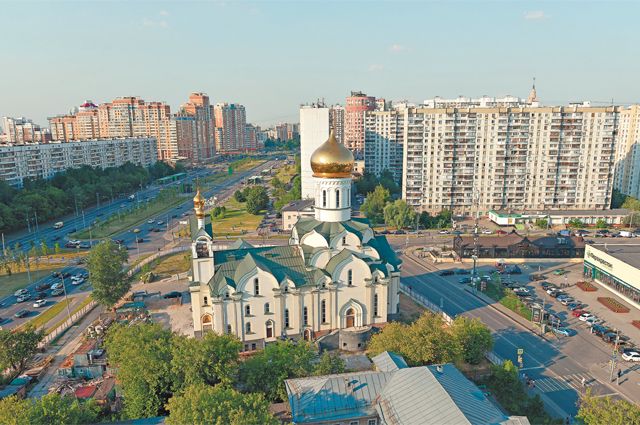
[[557, 366]]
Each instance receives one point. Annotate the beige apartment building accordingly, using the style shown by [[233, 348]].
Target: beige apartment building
[[230, 127], [192, 130], [384, 133], [517, 158], [81, 125], [627, 176], [22, 130], [356, 107]]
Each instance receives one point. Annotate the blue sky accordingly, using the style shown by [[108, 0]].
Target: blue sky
[[272, 56]]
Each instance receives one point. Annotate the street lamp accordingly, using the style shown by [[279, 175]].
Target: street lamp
[[66, 300]]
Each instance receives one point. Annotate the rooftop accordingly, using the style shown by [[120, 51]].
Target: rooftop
[[299, 205], [569, 213], [626, 252]]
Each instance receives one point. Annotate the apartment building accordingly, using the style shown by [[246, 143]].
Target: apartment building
[[43, 160], [627, 162], [384, 141], [192, 130], [336, 121], [230, 125], [81, 124], [314, 131], [356, 107], [22, 130], [525, 157]]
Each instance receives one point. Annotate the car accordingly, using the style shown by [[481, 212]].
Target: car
[[96, 352], [463, 271], [139, 240], [446, 273], [521, 290], [546, 285], [566, 301], [560, 272], [572, 306], [118, 241], [561, 331], [464, 280], [150, 221], [172, 294], [57, 292], [77, 282], [41, 294], [578, 312], [486, 232], [443, 232], [584, 316], [23, 298], [593, 321], [174, 216], [501, 232], [43, 286], [599, 330], [57, 285], [535, 277], [514, 270], [136, 230], [160, 223], [631, 356], [55, 274], [39, 303], [66, 275], [21, 292], [21, 313]]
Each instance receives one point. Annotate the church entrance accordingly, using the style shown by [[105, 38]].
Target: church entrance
[[350, 318], [207, 323], [269, 329], [307, 335]]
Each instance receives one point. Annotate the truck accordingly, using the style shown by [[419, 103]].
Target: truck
[[626, 234], [58, 225]]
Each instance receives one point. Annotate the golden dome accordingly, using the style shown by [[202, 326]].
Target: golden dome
[[332, 160], [198, 204]]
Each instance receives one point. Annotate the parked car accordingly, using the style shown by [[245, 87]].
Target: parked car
[[172, 294], [501, 232], [77, 282], [514, 270], [139, 240], [486, 232], [631, 356], [446, 273], [443, 232], [119, 241], [57, 285], [593, 321], [43, 286], [160, 223], [584, 316], [21, 313], [520, 290], [567, 301], [463, 271], [21, 292], [39, 303], [23, 298], [464, 280], [136, 230], [150, 221], [57, 292], [96, 352], [578, 312], [599, 330], [547, 285], [561, 331], [560, 272]]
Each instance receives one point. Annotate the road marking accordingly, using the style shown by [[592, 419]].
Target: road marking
[[532, 368], [566, 382]]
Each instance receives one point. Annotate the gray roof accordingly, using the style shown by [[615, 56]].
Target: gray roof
[[389, 361], [239, 244], [299, 205], [627, 252]]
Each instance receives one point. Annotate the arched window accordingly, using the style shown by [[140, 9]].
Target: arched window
[[247, 327], [269, 329], [286, 318], [205, 301], [337, 198], [267, 308], [207, 323], [350, 277], [375, 305], [324, 198], [305, 316], [286, 288], [344, 240], [228, 329], [256, 287], [350, 318], [323, 311], [247, 310], [226, 294]]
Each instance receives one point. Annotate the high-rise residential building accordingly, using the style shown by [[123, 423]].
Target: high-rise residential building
[[192, 130], [627, 176], [282, 131], [251, 135], [230, 126], [336, 121], [314, 131], [21, 130], [508, 154], [82, 124], [44, 160], [384, 142], [357, 104]]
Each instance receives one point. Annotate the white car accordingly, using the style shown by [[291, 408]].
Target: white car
[[57, 285], [23, 298], [520, 290], [21, 292], [150, 221], [631, 356], [585, 316], [444, 232], [593, 321], [77, 281], [39, 303], [567, 300], [486, 232]]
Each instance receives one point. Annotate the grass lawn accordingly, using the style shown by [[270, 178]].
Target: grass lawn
[[167, 266], [42, 319], [117, 224], [409, 309], [237, 221], [73, 311], [246, 164], [507, 298], [286, 173]]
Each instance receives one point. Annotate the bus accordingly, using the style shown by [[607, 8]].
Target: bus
[[58, 225]]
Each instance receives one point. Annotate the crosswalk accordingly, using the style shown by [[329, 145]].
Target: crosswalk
[[566, 382]]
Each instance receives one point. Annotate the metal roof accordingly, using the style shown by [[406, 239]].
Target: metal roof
[[389, 361]]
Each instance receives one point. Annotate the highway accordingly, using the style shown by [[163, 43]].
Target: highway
[[557, 366]]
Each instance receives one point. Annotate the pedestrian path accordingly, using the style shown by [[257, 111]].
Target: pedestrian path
[[566, 382]]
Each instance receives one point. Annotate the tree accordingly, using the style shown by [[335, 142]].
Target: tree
[[399, 214], [142, 355], [373, 206], [16, 348], [44, 248], [605, 410], [575, 223], [473, 337], [257, 200], [387, 181], [239, 196], [105, 263], [266, 371], [56, 248], [329, 364], [55, 409], [15, 411], [211, 360], [601, 224], [542, 223], [201, 404], [218, 212]]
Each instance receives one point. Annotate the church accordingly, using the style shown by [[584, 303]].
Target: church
[[334, 273]]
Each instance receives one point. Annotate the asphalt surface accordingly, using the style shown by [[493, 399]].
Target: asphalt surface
[[556, 365]]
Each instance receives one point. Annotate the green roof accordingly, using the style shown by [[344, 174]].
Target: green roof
[[331, 229], [387, 254]]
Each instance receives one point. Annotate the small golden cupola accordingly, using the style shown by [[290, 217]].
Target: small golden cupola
[[198, 204], [332, 160]]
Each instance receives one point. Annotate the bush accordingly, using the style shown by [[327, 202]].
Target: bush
[[239, 196]]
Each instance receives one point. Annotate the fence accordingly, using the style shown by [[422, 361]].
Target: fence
[[67, 324], [135, 269]]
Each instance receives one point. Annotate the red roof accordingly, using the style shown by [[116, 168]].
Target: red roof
[[86, 392], [86, 347], [88, 105]]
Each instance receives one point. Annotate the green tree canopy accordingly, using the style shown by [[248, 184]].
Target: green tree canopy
[[605, 410], [51, 409], [575, 223], [329, 363], [473, 337], [257, 200], [266, 371], [239, 196], [601, 224], [373, 206], [399, 215], [105, 263], [201, 404], [16, 348]]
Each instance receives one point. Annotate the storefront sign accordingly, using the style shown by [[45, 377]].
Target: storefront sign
[[599, 260]]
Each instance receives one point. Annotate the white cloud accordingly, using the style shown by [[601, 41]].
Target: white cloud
[[164, 13], [151, 23], [375, 67], [398, 48], [535, 15]]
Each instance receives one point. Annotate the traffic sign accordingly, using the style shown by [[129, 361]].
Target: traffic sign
[[520, 351]]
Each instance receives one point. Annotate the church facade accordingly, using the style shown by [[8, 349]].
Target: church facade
[[335, 273]]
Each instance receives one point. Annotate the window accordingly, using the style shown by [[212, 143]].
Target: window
[[305, 316], [256, 287], [354, 423], [206, 300], [269, 329], [247, 310], [286, 288], [226, 295], [375, 305], [344, 240], [253, 346], [324, 198], [323, 311], [228, 329], [247, 327], [372, 422], [286, 318], [267, 308], [350, 277], [337, 198]]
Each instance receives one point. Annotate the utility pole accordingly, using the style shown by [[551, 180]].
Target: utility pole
[[614, 355], [474, 273], [66, 300]]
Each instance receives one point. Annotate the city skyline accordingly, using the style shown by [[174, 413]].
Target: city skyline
[[395, 63]]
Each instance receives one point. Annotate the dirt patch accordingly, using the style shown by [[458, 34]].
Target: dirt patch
[[409, 309]]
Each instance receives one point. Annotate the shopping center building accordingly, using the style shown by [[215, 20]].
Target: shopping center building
[[616, 267]]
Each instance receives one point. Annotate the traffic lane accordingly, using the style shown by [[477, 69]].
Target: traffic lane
[[8, 313]]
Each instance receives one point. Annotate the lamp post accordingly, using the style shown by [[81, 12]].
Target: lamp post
[[66, 300]]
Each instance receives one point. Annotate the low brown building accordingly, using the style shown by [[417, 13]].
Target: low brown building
[[514, 245]]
